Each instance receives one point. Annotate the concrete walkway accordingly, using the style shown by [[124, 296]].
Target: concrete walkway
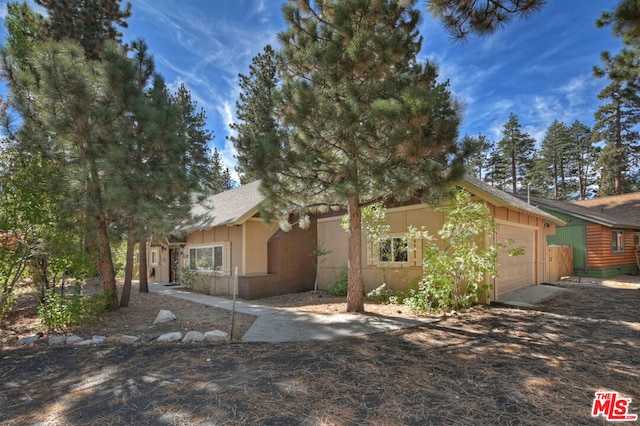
[[284, 325], [528, 296]]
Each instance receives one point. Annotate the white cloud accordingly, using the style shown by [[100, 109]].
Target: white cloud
[[227, 152]]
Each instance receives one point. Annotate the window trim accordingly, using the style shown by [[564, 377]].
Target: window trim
[[391, 240], [219, 270], [155, 256], [414, 252], [617, 236]]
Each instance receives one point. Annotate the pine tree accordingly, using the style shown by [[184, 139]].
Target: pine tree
[[482, 17], [194, 136], [583, 155], [69, 117], [132, 152], [359, 117], [538, 178], [478, 161], [255, 111], [616, 120], [615, 125], [87, 22], [516, 148], [63, 94], [497, 172], [554, 152], [218, 177]]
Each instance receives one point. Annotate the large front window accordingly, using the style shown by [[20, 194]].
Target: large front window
[[208, 258]]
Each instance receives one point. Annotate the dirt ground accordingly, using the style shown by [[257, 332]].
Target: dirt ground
[[136, 319], [492, 365]]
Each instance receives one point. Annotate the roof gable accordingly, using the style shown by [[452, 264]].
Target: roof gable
[[501, 198], [232, 207]]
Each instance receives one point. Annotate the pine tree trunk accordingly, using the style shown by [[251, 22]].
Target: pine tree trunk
[[105, 263], [514, 174], [619, 148], [144, 284], [128, 267], [355, 301], [105, 260]]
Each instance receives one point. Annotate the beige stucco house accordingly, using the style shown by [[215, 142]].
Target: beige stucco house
[[227, 234], [398, 264]]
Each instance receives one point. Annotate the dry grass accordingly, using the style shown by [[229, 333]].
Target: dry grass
[[487, 366]]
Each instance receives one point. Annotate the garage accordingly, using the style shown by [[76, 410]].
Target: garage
[[515, 272]]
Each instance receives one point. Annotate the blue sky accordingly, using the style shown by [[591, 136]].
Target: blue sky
[[540, 68]]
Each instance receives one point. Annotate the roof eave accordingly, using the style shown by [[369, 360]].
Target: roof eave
[[502, 203]]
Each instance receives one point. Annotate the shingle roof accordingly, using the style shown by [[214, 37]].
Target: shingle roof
[[592, 214], [625, 207], [231, 207], [235, 206], [501, 198]]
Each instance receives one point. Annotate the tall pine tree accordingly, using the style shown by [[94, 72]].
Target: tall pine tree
[[218, 177], [516, 148], [478, 161], [554, 152], [87, 22], [359, 117], [583, 155], [617, 119], [255, 112]]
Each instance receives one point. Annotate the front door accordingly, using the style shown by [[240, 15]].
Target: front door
[[174, 265]]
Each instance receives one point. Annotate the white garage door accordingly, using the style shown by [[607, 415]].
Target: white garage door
[[515, 271]]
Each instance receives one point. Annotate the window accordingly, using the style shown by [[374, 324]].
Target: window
[[393, 249], [154, 256], [206, 258], [617, 241]]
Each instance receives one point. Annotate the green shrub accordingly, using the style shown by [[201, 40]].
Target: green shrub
[[57, 312], [381, 293], [340, 284], [417, 301], [454, 270], [54, 312], [188, 277]]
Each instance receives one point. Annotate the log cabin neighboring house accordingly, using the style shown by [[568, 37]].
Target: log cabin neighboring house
[[604, 233]]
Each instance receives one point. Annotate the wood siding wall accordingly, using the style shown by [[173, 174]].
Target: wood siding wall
[[599, 254]]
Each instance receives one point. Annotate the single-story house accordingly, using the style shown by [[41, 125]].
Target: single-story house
[[228, 232], [603, 232], [526, 225]]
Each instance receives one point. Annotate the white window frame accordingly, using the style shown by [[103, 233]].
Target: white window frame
[[394, 254], [193, 256], [413, 252], [617, 241], [155, 256]]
